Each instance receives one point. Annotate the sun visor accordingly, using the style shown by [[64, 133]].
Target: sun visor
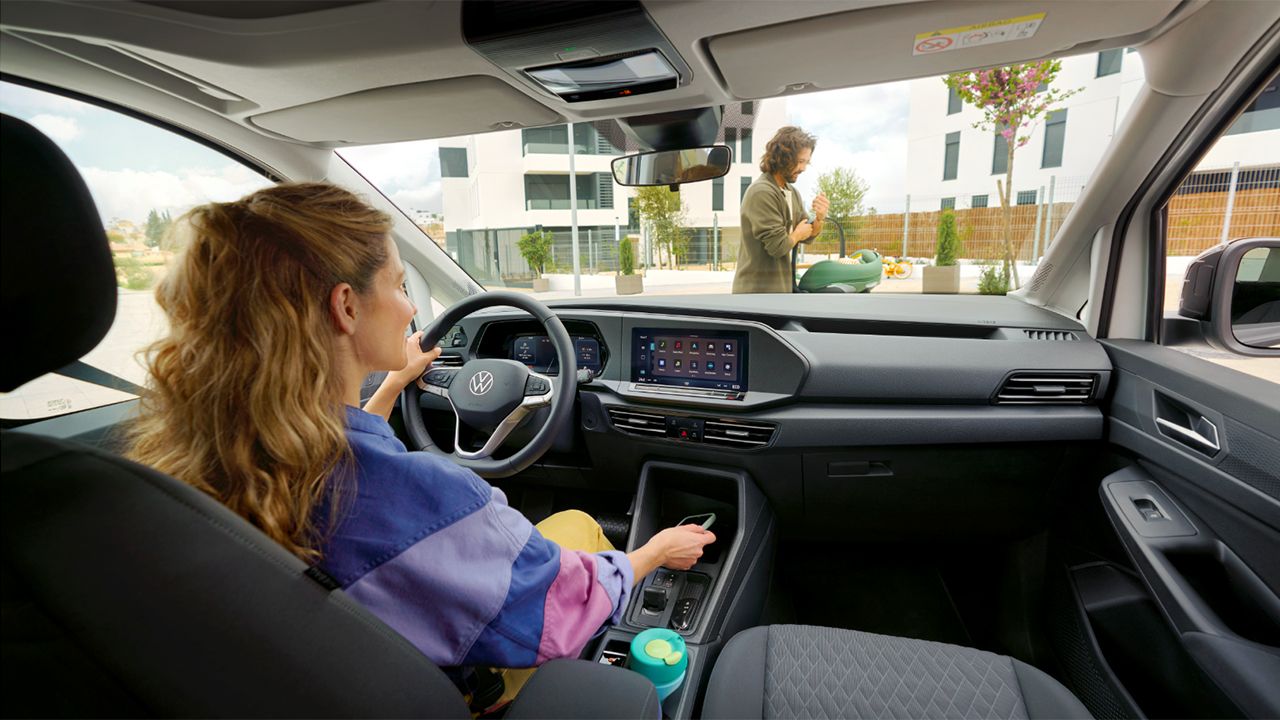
[[913, 40], [440, 108]]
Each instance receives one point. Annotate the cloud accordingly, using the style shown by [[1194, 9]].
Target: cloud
[[429, 198], [19, 100], [131, 194], [860, 128], [59, 127]]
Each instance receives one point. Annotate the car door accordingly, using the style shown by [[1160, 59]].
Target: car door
[[1195, 630]]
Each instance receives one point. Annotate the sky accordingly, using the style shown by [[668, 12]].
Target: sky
[[130, 166], [861, 128]]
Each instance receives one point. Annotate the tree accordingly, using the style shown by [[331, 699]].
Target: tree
[[846, 192], [157, 227], [535, 248], [662, 209], [626, 257], [1011, 99], [948, 240]]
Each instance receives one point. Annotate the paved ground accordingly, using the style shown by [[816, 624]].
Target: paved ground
[[139, 321]]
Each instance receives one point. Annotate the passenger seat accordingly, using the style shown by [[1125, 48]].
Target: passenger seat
[[801, 671]]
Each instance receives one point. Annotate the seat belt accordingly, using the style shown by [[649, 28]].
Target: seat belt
[[80, 370]]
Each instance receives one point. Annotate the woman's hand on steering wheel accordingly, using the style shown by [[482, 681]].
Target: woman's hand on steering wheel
[[417, 360]]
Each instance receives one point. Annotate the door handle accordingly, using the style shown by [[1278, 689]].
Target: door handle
[[1201, 436]]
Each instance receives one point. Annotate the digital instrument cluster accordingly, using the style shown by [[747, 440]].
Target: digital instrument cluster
[[537, 352]]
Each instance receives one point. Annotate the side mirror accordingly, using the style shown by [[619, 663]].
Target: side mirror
[[1234, 291], [673, 167]]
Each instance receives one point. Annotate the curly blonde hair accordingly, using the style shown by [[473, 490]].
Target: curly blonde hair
[[244, 400]]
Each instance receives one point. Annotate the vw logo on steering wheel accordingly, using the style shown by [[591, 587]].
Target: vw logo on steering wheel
[[481, 382]]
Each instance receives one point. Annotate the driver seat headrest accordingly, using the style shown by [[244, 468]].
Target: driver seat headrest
[[59, 282]]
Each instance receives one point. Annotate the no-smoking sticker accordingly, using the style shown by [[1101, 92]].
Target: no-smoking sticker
[[936, 44], [987, 33]]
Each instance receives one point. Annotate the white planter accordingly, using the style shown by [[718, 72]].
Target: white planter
[[541, 285], [942, 280], [628, 284]]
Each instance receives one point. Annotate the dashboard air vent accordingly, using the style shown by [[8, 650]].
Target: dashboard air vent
[[1054, 335], [737, 434], [448, 361], [1046, 389], [640, 423]]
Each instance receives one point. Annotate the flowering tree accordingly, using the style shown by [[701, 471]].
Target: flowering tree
[[1011, 99]]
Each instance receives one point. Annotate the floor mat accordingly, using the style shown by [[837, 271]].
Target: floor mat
[[906, 599]]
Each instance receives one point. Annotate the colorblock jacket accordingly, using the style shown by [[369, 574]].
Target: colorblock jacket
[[436, 553]]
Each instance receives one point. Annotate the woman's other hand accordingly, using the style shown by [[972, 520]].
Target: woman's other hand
[[417, 360]]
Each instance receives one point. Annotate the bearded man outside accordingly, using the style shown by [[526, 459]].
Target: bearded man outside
[[773, 218]]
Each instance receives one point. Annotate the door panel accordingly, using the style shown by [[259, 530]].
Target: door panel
[[1199, 511]]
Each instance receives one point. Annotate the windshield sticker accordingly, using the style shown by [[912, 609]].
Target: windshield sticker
[[996, 31]]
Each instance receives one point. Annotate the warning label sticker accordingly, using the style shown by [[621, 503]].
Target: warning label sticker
[[987, 33]]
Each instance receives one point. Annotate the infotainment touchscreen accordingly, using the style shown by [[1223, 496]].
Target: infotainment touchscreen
[[702, 359]]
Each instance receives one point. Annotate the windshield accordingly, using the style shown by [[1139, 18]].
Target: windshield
[[903, 176]]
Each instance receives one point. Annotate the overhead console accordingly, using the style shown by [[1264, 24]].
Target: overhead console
[[576, 51]]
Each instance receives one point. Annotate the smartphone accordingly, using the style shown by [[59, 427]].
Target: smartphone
[[704, 520]]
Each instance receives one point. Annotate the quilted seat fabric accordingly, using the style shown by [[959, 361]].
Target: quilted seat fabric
[[799, 671], [817, 672]]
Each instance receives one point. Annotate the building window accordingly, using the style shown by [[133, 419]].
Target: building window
[[748, 108], [1055, 134], [633, 217], [1026, 197], [453, 162], [1109, 62], [951, 156], [1000, 156], [551, 192], [604, 190], [717, 194], [745, 142], [978, 201], [948, 203], [553, 140], [731, 139], [1262, 114], [746, 183], [954, 103]]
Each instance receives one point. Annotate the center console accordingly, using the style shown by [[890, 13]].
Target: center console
[[722, 594]]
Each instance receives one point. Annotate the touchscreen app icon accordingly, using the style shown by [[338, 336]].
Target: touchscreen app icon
[[693, 365], [679, 345], [679, 363], [711, 366], [662, 362]]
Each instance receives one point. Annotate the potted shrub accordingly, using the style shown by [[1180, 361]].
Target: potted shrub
[[943, 276], [627, 282], [535, 248]]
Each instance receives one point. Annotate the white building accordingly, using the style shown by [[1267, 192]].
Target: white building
[[497, 186], [952, 164]]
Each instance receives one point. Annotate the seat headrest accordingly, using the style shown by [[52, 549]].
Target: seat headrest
[[59, 283]]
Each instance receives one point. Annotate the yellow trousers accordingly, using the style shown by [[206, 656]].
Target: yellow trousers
[[571, 530]]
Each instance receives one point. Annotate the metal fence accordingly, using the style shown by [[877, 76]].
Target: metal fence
[[914, 233], [1215, 206], [1209, 207]]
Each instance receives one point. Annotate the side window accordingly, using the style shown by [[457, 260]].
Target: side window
[[1232, 194], [142, 177]]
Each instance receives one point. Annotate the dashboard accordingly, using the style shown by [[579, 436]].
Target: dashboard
[[751, 373]]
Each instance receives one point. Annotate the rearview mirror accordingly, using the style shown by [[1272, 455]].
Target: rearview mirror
[[673, 167], [1234, 291]]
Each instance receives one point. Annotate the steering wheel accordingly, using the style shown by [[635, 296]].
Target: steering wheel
[[493, 396]]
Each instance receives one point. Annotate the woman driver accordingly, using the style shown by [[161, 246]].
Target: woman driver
[[280, 306]]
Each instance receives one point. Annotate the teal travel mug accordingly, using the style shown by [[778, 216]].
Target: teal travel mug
[[660, 655]]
